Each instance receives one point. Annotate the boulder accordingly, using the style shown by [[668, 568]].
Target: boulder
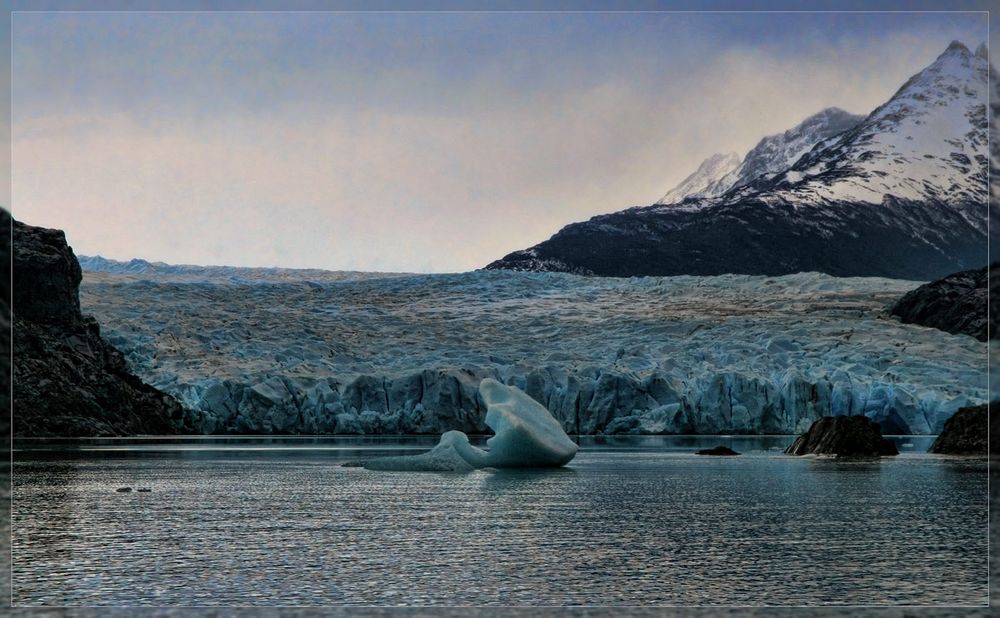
[[967, 431], [843, 436], [956, 304]]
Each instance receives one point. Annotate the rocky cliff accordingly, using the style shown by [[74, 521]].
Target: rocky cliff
[[5, 222], [968, 431], [67, 380], [956, 304]]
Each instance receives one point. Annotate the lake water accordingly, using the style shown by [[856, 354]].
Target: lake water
[[631, 521]]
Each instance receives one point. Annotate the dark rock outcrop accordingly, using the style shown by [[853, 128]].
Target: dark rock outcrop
[[844, 436], [718, 451], [967, 431], [67, 380], [48, 276], [955, 304], [5, 222]]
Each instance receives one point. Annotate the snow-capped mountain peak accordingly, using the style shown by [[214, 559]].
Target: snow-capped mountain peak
[[929, 142], [772, 154], [776, 153], [705, 180]]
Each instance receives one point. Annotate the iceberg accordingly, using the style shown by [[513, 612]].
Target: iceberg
[[527, 436], [445, 457]]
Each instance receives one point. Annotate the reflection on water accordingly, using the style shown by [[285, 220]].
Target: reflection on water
[[631, 521]]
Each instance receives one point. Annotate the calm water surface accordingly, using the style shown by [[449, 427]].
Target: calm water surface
[[632, 521]]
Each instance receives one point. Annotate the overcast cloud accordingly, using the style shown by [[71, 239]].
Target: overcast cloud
[[410, 142]]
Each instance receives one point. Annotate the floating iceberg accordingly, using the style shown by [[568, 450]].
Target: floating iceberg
[[527, 436]]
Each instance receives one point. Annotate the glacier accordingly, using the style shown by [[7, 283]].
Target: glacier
[[526, 436], [405, 354]]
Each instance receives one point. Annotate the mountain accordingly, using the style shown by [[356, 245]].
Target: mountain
[[902, 194], [705, 181], [775, 153], [928, 142]]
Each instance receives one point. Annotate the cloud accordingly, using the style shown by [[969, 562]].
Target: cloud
[[413, 169]]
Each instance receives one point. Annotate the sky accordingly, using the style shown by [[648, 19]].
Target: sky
[[419, 142]]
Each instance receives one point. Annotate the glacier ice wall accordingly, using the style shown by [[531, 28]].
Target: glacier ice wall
[[406, 354]]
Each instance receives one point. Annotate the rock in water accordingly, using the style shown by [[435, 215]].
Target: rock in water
[[967, 431], [719, 451], [956, 304], [844, 436], [68, 380], [527, 436]]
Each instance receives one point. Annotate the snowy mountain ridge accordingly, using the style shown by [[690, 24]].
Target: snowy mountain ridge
[[772, 154], [141, 269], [705, 181], [929, 142]]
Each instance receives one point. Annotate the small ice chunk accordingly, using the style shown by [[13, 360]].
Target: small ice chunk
[[442, 458]]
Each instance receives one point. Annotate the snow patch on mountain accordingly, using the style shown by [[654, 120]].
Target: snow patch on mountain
[[705, 180]]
